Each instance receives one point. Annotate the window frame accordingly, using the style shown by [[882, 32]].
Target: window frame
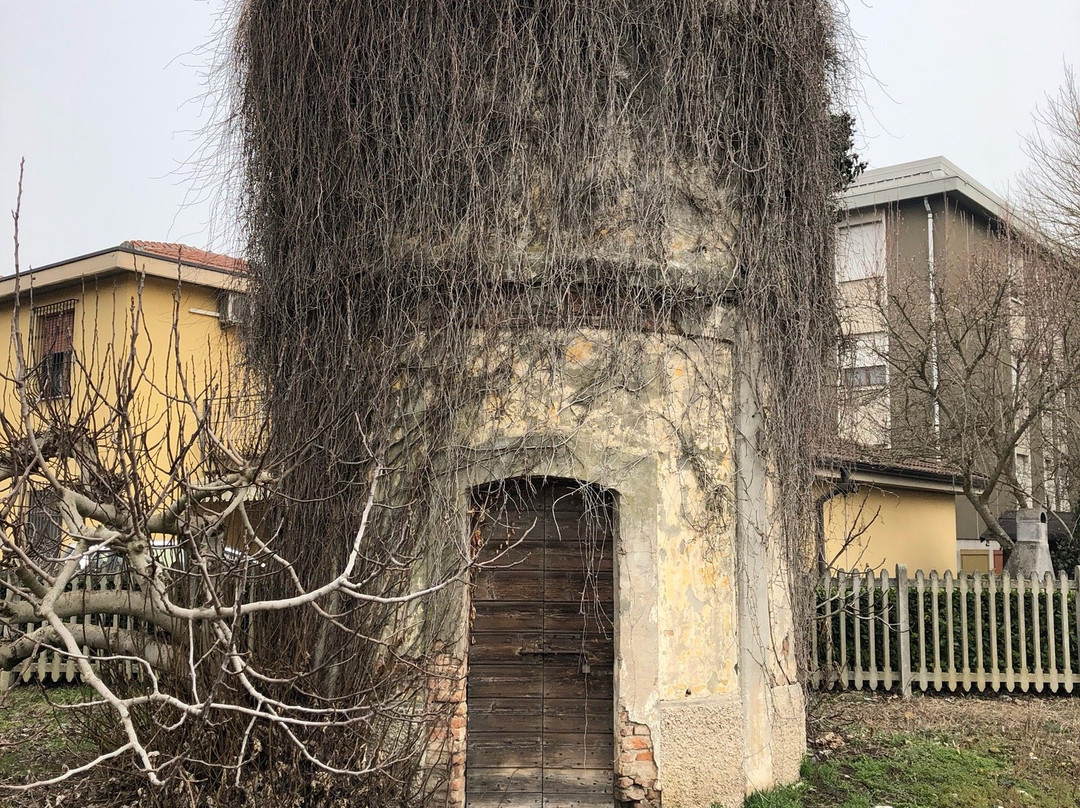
[[53, 347], [864, 366], [871, 270]]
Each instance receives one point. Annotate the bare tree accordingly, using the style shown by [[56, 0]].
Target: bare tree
[[1052, 182], [1051, 195], [984, 379], [172, 503]]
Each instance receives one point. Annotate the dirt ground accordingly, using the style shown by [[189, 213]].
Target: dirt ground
[[1038, 735]]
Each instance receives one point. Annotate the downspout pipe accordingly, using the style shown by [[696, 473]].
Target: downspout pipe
[[932, 278]]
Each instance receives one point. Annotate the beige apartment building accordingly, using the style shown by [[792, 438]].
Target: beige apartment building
[[909, 234]]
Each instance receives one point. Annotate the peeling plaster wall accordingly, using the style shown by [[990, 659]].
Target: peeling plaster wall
[[700, 717]]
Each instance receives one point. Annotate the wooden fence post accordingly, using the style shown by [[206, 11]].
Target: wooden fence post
[[903, 619], [1076, 617]]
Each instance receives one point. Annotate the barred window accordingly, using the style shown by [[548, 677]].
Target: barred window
[[43, 533], [53, 332]]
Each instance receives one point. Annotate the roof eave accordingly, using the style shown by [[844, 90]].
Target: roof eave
[[921, 178], [89, 266]]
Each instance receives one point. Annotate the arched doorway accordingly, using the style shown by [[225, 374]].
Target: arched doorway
[[541, 655]]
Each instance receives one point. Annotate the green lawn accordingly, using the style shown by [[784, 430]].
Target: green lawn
[[33, 743], [927, 752], [933, 752]]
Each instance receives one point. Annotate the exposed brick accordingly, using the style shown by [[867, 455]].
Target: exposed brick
[[446, 745], [635, 767]]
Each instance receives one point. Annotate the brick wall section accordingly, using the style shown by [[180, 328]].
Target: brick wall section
[[635, 767], [446, 748]]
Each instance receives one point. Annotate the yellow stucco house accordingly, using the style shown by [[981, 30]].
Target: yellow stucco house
[[163, 311], [876, 512]]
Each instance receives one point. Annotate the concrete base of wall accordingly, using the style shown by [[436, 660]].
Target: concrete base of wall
[[703, 760]]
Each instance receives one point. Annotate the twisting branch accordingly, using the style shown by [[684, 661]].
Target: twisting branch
[[193, 565]]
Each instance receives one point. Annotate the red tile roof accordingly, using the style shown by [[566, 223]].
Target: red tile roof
[[837, 453], [188, 255]]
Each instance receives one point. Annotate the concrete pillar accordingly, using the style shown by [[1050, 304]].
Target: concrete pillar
[[1032, 551]]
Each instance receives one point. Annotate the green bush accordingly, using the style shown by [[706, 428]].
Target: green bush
[[867, 616]]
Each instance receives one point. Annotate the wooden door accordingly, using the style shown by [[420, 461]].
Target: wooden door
[[541, 657]]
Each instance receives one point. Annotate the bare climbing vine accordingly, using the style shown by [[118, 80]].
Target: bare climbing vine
[[442, 198], [474, 228]]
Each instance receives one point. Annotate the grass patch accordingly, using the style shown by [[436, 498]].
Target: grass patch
[[34, 742], [785, 797], [933, 752], [905, 770]]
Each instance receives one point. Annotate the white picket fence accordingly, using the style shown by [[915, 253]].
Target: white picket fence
[[979, 631], [55, 666], [932, 632]]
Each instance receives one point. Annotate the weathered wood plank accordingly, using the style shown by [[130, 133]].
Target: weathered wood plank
[[920, 600], [594, 714], [575, 781], [573, 587], [1066, 647], [499, 800], [495, 714], [567, 683], [875, 627], [965, 659], [1007, 599], [1023, 674], [507, 585], [858, 621], [483, 780], [504, 647], [1036, 625], [830, 613], [904, 619], [577, 801], [935, 622], [950, 639], [496, 681], [579, 556], [886, 628], [995, 667], [980, 670], [572, 750], [1052, 671], [506, 749], [845, 666]]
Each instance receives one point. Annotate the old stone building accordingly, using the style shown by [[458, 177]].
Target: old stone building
[[556, 262]]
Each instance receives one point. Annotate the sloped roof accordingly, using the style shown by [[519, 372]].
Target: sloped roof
[[845, 454], [188, 255], [171, 261]]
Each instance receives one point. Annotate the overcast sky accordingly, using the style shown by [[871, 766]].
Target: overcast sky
[[106, 100]]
